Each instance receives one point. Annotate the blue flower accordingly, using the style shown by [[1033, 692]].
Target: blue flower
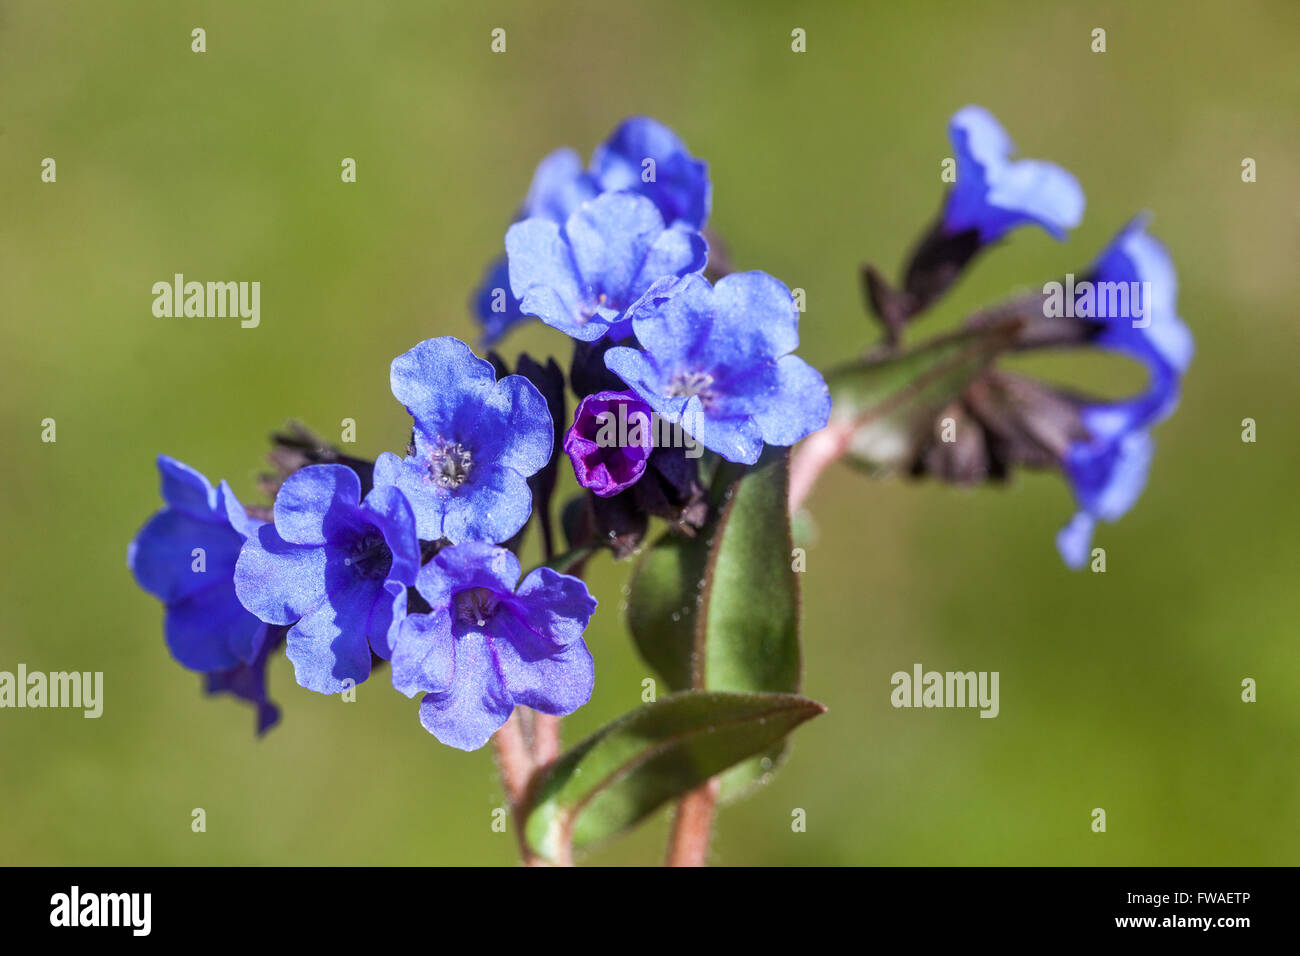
[[1107, 475], [486, 646], [1108, 469], [336, 568], [476, 441], [1158, 338], [716, 360], [494, 304], [185, 556], [993, 193], [248, 681], [560, 185], [581, 277], [646, 157], [641, 156]]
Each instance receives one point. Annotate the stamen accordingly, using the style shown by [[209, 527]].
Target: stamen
[[687, 384], [450, 464], [586, 314], [475, 605]]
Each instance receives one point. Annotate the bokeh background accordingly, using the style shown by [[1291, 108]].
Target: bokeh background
[[1118, 690]]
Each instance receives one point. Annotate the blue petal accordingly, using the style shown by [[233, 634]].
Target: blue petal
[[494, 304], [424, 653], [437, 378], [538, 673], [800, 405], [1074, 541], [329, 646], [428, 502], [559, 186], [247, 681], [643, 374], [235, 514], [391, 513], [1135, 256], [676, 252], [278, 581], [546, 280], [1108, 477], [555, 604], [737, 439], [493, 505], [514, 428], [755, 313], [314, 502], [161, 556], [675, 326], [185, 489], [475, 705], [612, 238], [680, 189], [386, 618], [993, 194], [201, 628], [464, 566]]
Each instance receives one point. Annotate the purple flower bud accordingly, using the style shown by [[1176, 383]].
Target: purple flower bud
[[611, 439]]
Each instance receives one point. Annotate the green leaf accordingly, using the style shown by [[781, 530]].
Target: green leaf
[[747, 630], [721, 611], [663, 598], [660, 751], [894, 400]]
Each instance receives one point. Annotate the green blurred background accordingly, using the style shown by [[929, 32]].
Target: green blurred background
[[1119, 691]]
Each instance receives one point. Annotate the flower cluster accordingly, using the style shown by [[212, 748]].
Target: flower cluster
[[1126, 303], [412, 559]]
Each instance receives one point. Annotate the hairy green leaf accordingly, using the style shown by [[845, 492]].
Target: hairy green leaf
[[661, 750], [721, 611], [894, 400]]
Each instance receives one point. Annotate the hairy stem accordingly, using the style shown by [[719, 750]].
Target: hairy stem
[[693, 827], [546, 738], [813, 456], [516, 766], [513, 760]]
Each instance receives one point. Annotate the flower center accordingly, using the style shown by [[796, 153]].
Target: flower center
[[475, 606], [686, 384], [586, 313], [370, 556], [450, 464]]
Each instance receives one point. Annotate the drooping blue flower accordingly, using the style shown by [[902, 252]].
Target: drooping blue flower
[[487, 646], [336, 568], [494, 304], [476, 441], [994, 193], [1107, 474], [1107, 470], [248, 681], [185, 556], [641, 156], [582, 276], [717, 360], [1135, 268]]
